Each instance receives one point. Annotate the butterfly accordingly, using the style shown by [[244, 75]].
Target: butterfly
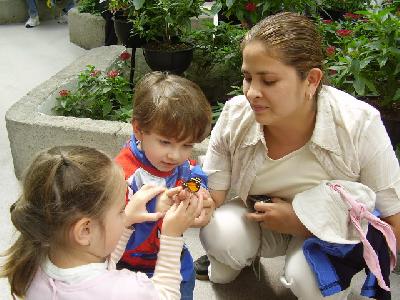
[[193, 184]]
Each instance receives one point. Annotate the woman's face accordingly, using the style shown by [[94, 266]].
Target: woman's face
[[276, 93]]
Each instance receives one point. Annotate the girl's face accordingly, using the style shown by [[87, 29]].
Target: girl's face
[[164, 153], [108, 233], [274, 90]]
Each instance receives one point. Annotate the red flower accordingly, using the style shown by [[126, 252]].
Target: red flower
[[64, 93], [332, 72], [327, 21], [330, 50], [113, 73], [344, 32], [351, 16], [95, 73], [125, 55], [250, 6]]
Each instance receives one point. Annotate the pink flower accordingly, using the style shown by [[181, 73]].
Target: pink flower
[[351, 16], [327, 21], [250, 6], [63, 93], [95, 73], [330, 50], [125, 55], [113, 73], [344, 32]]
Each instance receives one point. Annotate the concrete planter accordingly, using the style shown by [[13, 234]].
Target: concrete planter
[[86, 30], [32, 126], [16, 11]]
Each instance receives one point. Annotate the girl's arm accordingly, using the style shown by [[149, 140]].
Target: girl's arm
[[167, 274]]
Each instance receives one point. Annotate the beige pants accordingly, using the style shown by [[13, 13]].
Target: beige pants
[[232, 242]]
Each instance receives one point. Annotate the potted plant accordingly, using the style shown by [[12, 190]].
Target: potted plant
[[217, 59], [163, 23], [363, 58], [124, 12]]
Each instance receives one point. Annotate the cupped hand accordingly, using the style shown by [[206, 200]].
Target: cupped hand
[[278, 216], [167, 198], [135, 210], [180, 217], [206, 210]]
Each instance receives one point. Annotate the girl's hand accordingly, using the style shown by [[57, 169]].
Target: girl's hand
[[167, 198], [278, 216], [135, 210], [179, 217]]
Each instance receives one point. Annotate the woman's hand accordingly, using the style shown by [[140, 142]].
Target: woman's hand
[[278, 216], [135, 210], [207, 208], [180, 217]]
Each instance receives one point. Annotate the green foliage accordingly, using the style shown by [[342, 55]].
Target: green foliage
[[363, 56], [99, 96], [250, 12], [217, 57], [90, 6], [164, 20], [126, 8], [219, 44], [344, 5]]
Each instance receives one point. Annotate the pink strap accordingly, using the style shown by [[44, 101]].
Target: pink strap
[[358, 211]]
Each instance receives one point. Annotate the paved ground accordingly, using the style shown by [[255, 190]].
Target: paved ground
[[31, 56]]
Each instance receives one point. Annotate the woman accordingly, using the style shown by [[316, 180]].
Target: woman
[[283, 137]]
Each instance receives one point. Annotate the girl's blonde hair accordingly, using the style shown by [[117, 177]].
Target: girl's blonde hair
[[293, 38], [62, 185], [171, 106]]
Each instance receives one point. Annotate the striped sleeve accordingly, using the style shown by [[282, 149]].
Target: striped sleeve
[[116, 255], [167, 276]]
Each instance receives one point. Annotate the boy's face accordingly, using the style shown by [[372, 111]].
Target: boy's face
[[164, 153]]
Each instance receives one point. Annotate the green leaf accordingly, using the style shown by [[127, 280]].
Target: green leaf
[[229, 3], [396, 96], [138, 4], [107, 107], [359, 85], [355, 67]]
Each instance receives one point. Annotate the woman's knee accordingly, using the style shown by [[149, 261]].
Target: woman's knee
[[299, 276], [230, 237]]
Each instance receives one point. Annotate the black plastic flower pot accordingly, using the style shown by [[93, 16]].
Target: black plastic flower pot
[[123, 31], [173, 60]]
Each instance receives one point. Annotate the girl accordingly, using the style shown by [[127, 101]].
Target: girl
[[71, 216]]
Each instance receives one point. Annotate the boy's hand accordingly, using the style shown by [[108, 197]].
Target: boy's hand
[[179, 217], [135, 210], [207, 208], [167, 198]]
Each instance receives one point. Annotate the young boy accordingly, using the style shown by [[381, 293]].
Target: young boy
[[170, 115]]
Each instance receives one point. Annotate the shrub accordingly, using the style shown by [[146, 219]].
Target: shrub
[[362, 54], [99, 95]]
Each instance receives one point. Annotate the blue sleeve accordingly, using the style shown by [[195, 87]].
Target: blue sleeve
[[196, 171]]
